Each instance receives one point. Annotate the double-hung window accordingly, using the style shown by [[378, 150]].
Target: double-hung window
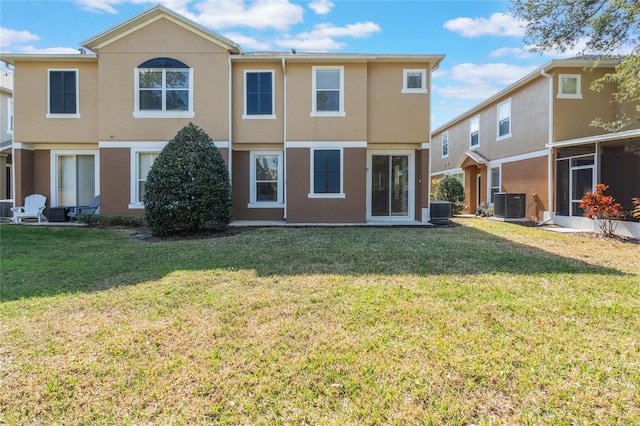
[[328, 91], [569, 86], [445, 144], [266, 172], [414, 81], [259, 94], [10, 116], [474, 132], [504, 119], [164, 88], [142, 158], [63, 95], [326, 173]]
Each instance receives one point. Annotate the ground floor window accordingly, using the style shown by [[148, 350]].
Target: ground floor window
[[266, 172], [145, 161], [326, 173]]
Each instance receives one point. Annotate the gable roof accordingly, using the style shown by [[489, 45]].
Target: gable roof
[[148, 17], [471, 157]]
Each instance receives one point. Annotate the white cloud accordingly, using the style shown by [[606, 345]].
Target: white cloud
[[260, 14], [516, 52], [357, 30], [310, 45], [480, 73], [98, 6], [479, 81], [247, 42], [321, 7], [9, 37], [498, 24], [49, 50]]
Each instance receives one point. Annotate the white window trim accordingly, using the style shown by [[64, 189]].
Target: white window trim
[[54, 169], [10, 116], [314, 99], [137, 113], [444, 136], [578, 94], [312, 194], [134, 203], [271, 116], [476, 118], [253, 203], [489, 186], [135, 152], [58, 115], [405, 74], [508, 135]]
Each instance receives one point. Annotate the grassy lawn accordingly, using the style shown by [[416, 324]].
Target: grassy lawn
[[486, 323]]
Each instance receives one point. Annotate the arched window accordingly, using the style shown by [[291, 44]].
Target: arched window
[[164, 88]]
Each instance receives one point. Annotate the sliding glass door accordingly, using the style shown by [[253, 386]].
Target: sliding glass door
[[76, 180], [391, 186]]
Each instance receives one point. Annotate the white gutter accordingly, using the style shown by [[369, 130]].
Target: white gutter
[[284, 137], [550, 161], [230, 123]]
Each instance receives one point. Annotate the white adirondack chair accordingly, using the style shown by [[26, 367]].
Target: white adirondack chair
[[33, 207]]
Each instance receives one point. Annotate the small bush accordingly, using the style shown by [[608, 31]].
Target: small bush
[[450, 189], [636, 210], [602, 208], [110, 221], [188, 186]]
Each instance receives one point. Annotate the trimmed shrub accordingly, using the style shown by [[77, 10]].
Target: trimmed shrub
[[188, 186], [450, 189]]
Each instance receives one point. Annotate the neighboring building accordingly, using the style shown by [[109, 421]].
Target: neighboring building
[[534, 137], [6, 133], [336, 138]]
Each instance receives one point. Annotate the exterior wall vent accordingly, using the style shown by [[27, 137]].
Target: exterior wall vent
[[507, 205]]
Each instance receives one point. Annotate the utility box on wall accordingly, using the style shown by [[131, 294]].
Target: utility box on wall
[[508, 205]]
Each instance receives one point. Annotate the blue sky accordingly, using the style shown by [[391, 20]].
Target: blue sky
[[481, 39]]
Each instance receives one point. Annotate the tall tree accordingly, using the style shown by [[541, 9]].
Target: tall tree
[[605, 26]]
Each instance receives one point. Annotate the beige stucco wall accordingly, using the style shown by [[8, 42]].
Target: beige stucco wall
[[572, 116], [394, 116], [162, 38], [528, 177], [257, 130], [30, 104], [302, 209], [302, 127]]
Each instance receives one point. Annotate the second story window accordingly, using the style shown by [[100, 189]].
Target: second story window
[[474, 132], [164, 88], [328, 92], [10, 116], [445, 144], [63, 96], [414, 81], [504, 119], [569, 86], [259, 94]]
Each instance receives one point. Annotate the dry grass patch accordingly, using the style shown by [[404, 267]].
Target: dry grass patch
[[327, 326]]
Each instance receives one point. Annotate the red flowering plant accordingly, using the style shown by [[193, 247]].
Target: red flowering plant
[[636, 210], [602, 208]]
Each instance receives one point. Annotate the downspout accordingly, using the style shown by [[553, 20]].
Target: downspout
[[284, 137], [230, 145], [550, 160]]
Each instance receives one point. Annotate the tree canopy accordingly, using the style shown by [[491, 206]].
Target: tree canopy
[[607, 27]]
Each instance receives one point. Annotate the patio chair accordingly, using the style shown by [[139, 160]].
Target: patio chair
[[76, 211], [33, 207]]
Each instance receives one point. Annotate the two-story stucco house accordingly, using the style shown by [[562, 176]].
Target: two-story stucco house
[[535, 138], [6, 132], [308, 138]]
